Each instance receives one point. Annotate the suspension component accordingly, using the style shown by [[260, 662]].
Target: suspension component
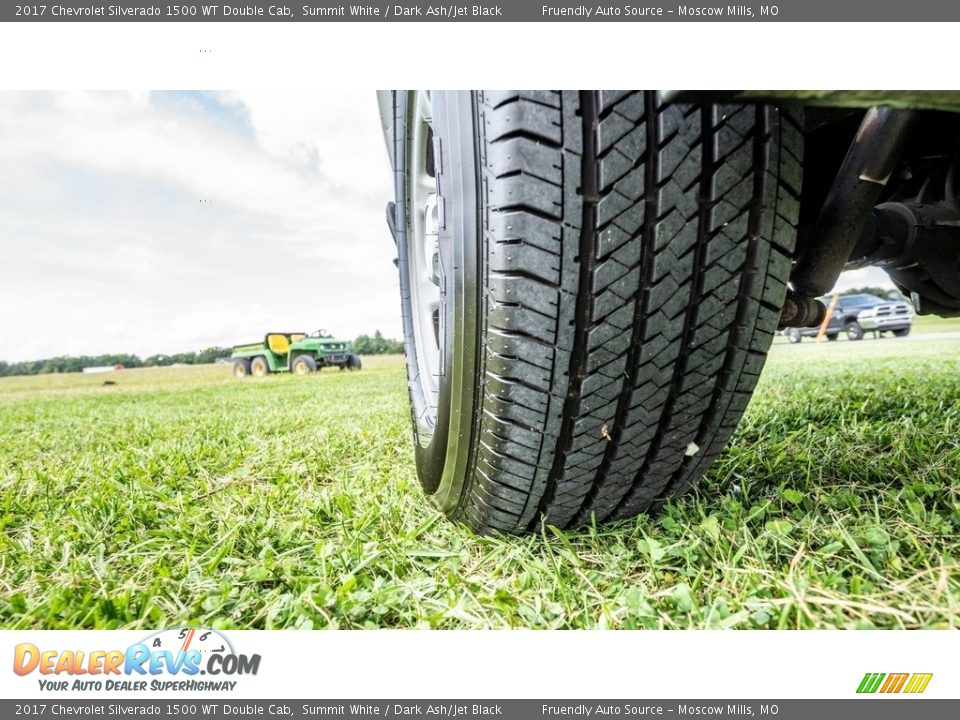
[[868, 165], [800, 311], [918, 244]]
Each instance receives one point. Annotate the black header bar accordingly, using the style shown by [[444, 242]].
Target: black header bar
[[482, 11]]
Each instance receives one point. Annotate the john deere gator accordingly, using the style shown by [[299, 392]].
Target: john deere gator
[[296, 352]]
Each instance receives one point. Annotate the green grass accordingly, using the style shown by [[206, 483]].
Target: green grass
[[184, 496], [932, 324]]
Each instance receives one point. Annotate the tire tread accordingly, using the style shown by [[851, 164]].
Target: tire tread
[[636, 258]]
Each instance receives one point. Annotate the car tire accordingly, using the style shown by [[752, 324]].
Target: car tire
[[353, 363], [794, 336], [854, 331], [304, 365], [259, 367], [611, 270], [902, 332], [832, 336], [241, 367]]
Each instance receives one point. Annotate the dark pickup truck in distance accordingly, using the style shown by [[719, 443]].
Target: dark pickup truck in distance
[[857, 315]]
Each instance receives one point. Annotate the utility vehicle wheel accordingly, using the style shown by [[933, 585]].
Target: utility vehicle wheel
[[903, 332], [794, 336], [304, 365], [241, 367], [353, 362], [854, 331], [259, 367], [590, 282], [832, 336]]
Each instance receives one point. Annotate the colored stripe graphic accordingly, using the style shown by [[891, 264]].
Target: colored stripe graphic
[[918, 682], [894, 683], [870, 682]]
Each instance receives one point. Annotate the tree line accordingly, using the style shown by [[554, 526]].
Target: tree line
[[71, 363], [882, 293], [377, 345], [363, 345]]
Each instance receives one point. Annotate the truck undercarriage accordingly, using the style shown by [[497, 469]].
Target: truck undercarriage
[[880, 189]]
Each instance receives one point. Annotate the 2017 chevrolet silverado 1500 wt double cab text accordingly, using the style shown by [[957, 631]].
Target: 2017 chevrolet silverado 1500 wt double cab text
[[590, 280]]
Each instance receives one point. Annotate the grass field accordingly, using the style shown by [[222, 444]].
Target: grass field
[[184, 496], [922, 325], [930, 324]]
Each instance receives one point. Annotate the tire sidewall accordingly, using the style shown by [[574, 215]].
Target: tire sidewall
[[440, 456], [854, 331], [306, 362], [259, 362]]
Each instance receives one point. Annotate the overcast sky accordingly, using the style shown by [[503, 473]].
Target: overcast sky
[[105, 245]]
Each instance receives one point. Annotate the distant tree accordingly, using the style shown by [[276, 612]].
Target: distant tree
[[157, 361], [66, 363], [376, 345], [882, 293], [210, 354]]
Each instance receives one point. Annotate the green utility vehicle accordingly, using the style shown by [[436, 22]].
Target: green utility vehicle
[[294, 352]]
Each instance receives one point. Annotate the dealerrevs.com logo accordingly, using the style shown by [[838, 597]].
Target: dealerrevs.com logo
[[169, 660]]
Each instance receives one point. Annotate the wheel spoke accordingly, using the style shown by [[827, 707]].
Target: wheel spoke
[[424, 258]]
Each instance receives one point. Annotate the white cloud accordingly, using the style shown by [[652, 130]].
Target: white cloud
[[863, 277], [105, 244]]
